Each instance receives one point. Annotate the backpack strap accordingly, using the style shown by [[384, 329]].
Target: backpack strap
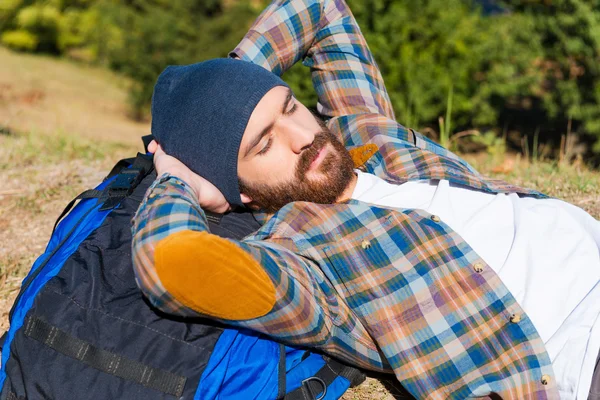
[[129, 172], [315, 387], [146, 140], [119, 166], [88, 194], [281, 373], [126, 181], [103, 360], [127, 162]]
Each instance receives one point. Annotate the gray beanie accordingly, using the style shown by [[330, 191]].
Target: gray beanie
[[200, 112]]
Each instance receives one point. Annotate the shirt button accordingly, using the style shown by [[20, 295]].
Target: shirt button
[[366, 244], [545, 379], [152, 195], [435, 218], [478, 267], [515, 318]]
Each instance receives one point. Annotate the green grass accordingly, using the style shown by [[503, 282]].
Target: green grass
[[18, 151], [574, 183]]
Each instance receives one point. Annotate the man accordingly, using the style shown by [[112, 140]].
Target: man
[[462, 286]]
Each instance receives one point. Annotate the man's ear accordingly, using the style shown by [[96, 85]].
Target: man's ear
[[245, 198]]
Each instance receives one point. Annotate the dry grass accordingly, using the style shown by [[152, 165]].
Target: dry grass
[[46, 95], [40, 174], [574, 183], [62, 126]]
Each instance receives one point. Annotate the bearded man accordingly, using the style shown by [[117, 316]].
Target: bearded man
[[394, 255]]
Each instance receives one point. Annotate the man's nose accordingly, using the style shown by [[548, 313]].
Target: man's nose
[[299, 135]]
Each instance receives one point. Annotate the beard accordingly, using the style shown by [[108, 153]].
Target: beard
[[334, 175]]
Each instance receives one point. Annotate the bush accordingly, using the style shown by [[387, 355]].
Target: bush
[[424, 48], [570, 33], [43, 22], [532, 67], [20, 40]]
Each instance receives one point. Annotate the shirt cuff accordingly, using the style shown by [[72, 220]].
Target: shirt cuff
[[167, 183]]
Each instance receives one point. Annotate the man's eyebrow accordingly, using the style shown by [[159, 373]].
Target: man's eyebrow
[[268, 128], [286, 103]]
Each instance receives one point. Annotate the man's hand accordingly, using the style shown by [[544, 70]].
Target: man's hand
[[209, 197]]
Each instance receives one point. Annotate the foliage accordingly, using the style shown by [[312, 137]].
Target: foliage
[[531, 66], [425, 47], [20, 40], [495, 146], [570, 33]]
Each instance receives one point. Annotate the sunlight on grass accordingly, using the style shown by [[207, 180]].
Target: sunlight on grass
[[38, 149], [574, 183]]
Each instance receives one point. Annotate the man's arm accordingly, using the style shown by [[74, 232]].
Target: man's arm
[[185, 270], [325, 35], [261, 285], [350, 88]]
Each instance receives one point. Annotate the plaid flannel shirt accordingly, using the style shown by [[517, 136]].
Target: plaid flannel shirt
[[385, 289]]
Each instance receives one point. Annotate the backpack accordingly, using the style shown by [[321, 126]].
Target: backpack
[[81, 329]]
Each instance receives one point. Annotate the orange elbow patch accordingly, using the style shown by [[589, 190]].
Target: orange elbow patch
[[213, 276]]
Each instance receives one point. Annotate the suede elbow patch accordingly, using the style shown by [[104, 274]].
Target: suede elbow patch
[[213, 276]]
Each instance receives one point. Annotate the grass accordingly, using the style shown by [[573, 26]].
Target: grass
[[18, 151], [574, 183], [40, 174], [46, 95], [62, 127]]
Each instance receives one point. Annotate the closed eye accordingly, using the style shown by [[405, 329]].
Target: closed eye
[[291, 110], [266, 148]]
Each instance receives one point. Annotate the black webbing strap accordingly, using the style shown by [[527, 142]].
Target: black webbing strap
[[127, 162], [281, 373], [88, 194], [3, 339], [119, 166], [315, 387], [103, 360], [213, 217], [129, 171], [126, 181]]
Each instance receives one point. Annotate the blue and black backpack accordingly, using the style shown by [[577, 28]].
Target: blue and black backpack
[[81, 329]]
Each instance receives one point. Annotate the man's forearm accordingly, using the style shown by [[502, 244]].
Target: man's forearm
[[184, 270], [325, 35], [168, 208], [283, 33]]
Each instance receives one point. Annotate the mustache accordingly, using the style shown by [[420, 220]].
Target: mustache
[[308, 156]]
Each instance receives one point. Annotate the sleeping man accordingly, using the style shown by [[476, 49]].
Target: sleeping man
[[378, 246]]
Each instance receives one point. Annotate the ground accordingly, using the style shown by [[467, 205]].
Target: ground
[[63, 125]]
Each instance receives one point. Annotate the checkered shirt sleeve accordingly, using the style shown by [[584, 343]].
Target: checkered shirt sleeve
[[300, 315]]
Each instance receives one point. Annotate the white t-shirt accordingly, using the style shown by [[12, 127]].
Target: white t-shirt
[[546, 251]]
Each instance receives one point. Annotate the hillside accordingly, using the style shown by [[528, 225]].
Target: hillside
[[40, 94]]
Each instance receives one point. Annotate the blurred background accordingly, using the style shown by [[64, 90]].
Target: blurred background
[[524, 72], [520, 74]]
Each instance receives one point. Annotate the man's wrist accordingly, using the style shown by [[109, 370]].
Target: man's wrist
[[181, 180]]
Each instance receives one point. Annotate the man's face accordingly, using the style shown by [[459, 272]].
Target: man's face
[[287, 154]]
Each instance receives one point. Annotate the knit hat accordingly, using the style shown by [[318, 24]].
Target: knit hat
[[200, 112]]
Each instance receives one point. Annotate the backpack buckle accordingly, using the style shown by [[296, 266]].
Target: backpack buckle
[[313, 385], [125, 182], [123, 185]]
